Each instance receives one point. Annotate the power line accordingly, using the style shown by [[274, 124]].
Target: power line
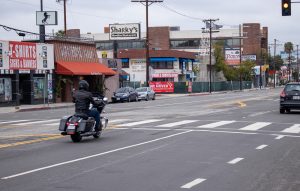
[[179, 13]]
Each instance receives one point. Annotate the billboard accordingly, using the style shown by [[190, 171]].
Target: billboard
[[22, 55], [129, 31], [162, 87]]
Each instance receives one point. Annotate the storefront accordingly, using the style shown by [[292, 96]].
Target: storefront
[[75, 61], [25, 73]]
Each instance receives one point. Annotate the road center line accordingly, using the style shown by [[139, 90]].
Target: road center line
[[93, 156], [193, 183], [261, 147], [236, 160]]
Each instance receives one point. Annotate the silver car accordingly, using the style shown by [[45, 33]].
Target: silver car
[[145, 93]]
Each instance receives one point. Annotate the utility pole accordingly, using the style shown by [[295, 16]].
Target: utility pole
[[275, 40], [65, 15], [147, 3], [210, 22]]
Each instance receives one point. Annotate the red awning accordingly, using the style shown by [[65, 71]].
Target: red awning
[[83, 68]]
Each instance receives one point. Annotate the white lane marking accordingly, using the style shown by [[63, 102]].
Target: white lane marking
[[216, 124], [193, 183], [177, 123], [234, 161], [52, 124], [34, 122], [293, 129], [279, 137], [255, 126], [5, 122], [139, 123], [117, 120], [95, 155], [261, 147]]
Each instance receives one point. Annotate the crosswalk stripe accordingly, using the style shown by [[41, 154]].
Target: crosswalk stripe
[[216, 124], [177, 123], [293, 129], [139, 123], [5, 122], [34, 122], [255, 126], [52, 124]]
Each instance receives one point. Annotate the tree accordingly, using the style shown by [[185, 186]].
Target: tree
[[288, 48], [60, 33]]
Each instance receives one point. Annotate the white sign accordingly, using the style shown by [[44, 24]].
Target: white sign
[[46, 18], [45, 56], [128, 31], [249, 57], [232, 57]]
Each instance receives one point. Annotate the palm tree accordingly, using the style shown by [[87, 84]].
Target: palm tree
[[288, 48]]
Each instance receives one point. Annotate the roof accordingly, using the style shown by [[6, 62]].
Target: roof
[[141, 53]]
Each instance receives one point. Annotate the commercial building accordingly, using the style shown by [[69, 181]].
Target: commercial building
[[183, 55]]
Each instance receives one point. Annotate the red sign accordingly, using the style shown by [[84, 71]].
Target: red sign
[[162, 87], [165, 75], [22, 55]]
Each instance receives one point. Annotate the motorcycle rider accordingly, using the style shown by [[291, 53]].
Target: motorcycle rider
[[82, 99]]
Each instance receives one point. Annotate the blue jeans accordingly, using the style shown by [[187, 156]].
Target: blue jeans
[[96, 115]]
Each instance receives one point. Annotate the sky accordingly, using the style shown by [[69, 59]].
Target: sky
[[93, 15]]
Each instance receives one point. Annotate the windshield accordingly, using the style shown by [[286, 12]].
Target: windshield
[[292, 87], [141, 89], [121, 90]]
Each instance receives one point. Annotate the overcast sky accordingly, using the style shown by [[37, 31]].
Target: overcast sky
[[94, 15]]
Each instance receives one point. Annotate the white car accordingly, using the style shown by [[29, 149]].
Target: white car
[[145, 93]]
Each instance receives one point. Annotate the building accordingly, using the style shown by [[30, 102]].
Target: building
[[25, 72], [176, 53]]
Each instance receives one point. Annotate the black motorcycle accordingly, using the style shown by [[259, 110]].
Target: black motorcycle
[[80, 125]]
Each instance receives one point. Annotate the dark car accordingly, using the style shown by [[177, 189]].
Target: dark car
[[290, 97], [125, 94], [145, 93]]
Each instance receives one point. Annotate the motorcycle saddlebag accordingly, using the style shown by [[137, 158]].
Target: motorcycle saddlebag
[[86, 125], [63, 122]]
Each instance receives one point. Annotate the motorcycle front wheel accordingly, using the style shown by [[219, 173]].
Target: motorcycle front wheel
[[76, 138]]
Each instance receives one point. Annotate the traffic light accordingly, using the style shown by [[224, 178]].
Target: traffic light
[[286, 7]]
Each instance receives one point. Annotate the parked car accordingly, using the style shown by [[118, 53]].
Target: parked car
[[145, 93], [125, 94], [290, 97]]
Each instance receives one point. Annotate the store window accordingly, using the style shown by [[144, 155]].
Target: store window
[[5, 90], [38, 87], [162, 65]]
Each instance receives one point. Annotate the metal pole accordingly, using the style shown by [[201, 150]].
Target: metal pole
[[260, 63], [210, 43], [42, 27], [147, 45], [297, 64], [274, 63], [240, 35]]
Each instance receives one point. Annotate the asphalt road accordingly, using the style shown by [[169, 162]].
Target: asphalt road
[[236, 141]]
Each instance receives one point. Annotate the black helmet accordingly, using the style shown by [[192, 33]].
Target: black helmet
[[83, 85]]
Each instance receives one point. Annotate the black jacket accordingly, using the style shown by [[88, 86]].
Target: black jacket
[[82, 100]]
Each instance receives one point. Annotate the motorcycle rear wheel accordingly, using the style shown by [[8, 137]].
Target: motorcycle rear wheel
[[76, 138]]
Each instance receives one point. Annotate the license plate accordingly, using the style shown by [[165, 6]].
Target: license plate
[[296, 97], [118, 98], [71, 127]]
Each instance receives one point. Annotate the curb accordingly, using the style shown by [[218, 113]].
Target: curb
[[42, 108]]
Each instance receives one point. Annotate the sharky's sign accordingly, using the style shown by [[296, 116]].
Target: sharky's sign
[[22, 55]]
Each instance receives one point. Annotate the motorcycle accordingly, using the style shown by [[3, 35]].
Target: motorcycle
[[80, 125]]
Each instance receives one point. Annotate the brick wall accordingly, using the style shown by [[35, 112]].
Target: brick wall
[[159, 38]]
